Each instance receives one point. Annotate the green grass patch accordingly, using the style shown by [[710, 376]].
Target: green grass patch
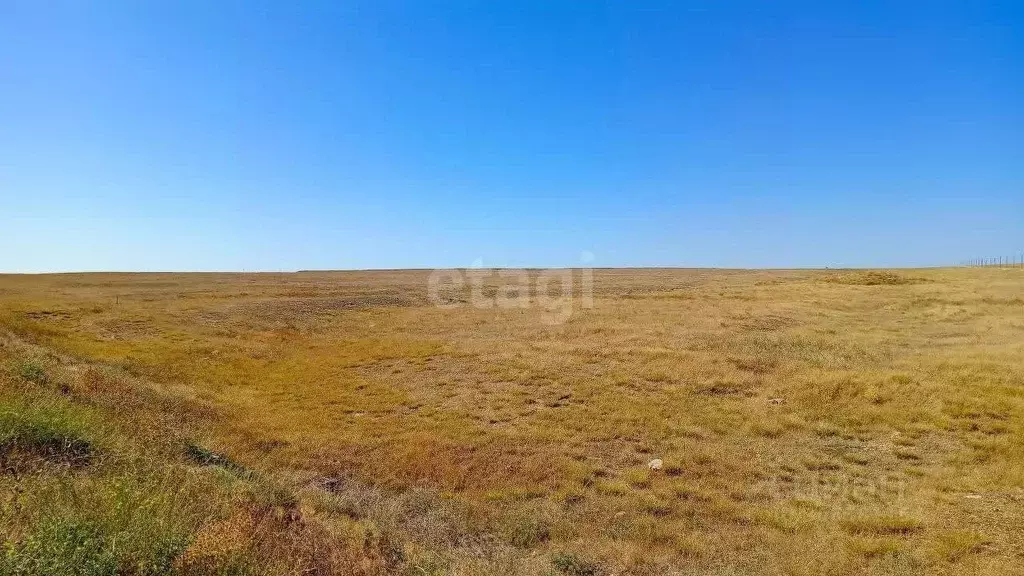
[[33, 435], [32, 371]]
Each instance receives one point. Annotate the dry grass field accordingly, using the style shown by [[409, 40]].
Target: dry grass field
[[809, 422]]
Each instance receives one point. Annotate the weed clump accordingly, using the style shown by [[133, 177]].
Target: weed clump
[[573, 565]]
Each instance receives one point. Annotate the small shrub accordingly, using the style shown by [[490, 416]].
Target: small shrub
[[572, 565]]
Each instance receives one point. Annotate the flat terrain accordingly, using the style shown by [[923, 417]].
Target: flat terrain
[[808, 422]]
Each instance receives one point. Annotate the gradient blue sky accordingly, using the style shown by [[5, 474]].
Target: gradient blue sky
[[202, 135]]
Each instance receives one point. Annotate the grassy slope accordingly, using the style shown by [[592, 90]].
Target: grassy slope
[[810, 422]]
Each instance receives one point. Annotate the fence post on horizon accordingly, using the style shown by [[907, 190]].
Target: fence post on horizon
[[1002, 262]]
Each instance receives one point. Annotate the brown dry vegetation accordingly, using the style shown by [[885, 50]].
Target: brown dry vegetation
[[810, 422]]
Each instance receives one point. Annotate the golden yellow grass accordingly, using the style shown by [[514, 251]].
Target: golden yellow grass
[[810, 422]]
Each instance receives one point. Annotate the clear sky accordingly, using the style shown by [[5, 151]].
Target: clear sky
[[228, 135]]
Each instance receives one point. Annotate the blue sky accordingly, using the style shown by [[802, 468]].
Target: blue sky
[[380, 134]]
